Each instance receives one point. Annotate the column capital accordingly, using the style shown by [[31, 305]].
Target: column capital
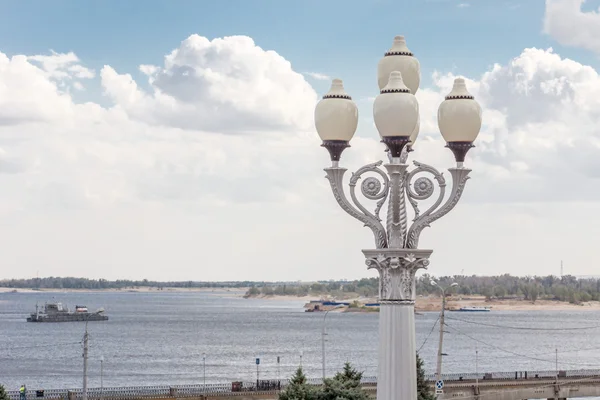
[[397, 269]]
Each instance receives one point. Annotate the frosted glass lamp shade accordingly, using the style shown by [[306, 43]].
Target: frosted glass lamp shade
[[415, 134], [396, 114], [459, 119], [336, 119], [399, 58]]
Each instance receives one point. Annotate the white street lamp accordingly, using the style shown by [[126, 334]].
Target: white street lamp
[[399, 58], [459, 120], [396, 255], [396, 114], [336, 119]]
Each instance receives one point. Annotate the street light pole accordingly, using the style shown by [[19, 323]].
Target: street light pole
[[440, 354], [204, 373], [85, 360], [477, 368], [278, 372], [396, 256], [101, 377], [323, 334]]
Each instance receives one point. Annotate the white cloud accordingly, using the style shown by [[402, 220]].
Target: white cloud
[[230, 85], [28, 93], [318, 76], [463, 5], [541, 118], [570, 25], [150, 187]]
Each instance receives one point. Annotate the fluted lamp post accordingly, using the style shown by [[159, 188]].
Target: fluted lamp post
[[396, 255]]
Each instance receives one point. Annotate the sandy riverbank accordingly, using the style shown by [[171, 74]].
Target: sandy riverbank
[[433, 303]]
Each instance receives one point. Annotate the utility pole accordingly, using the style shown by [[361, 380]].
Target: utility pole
[[476, 366], [441, 341], [101, 377], [323, 345], [257, 379], [85, 361], [556, 389], [442, 323], [557, 365], [278, 372], [204, 378], [323, 334]]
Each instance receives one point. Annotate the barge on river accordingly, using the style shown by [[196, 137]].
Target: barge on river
[[56, 312], [473, 309]]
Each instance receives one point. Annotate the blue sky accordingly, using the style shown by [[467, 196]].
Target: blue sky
[[338, 38], [164, 176]]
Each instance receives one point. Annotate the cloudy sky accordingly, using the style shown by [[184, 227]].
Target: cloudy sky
[[175, 139]]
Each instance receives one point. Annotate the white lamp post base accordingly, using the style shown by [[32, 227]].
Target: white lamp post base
[[397, 374]]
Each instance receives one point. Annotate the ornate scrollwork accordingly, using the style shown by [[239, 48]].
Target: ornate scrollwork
[[397, 275], [459, 180], [423, 187], [372, 188], [397, 185], [335, 177], [425, 192]]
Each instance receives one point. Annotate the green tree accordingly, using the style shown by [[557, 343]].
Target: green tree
[[585, 296], [3, 394], [253, 291], [345, 385], [355, 304], [500, 292], [534, 292], [424, 392], [298, 388], [488, 292]]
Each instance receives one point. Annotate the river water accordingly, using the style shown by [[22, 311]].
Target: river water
[[159, 338]]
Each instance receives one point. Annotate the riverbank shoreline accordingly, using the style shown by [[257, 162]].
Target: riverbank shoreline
[[435, 304], [432, 303]]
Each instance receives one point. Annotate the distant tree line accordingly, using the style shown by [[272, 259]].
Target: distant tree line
[[367, 287], [566, 288], [83, 283]]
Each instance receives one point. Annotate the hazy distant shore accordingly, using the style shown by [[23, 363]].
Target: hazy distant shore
[[432, 303]]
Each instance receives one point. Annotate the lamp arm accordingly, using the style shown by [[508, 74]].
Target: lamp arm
[[335, 176], [459, 180]]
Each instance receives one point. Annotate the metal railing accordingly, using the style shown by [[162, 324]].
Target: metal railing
[[516, 375], [179, 391]]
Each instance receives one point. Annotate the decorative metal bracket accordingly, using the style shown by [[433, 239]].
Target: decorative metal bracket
[[397, 269], [396, 184], [372, 188]]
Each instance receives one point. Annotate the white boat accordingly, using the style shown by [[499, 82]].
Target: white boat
[[474, 309]]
